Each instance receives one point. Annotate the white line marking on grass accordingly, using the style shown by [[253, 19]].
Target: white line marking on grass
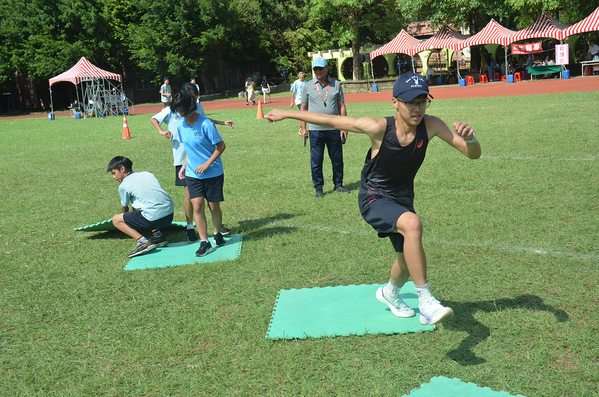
[[528, 158], [593, 256]]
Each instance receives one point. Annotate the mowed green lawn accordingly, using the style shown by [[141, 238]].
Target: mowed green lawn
[[511, 241]]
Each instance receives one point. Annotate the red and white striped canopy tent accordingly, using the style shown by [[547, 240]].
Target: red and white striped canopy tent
[[444, 38], [589, 24], [84, 70], [402, 43], [544, 26], [493, 33]]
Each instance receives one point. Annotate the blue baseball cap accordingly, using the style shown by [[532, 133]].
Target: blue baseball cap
[[409, 85], [319, 62]]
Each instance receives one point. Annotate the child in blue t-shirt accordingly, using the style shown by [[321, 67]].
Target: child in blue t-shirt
[[152, 207], [202, 168], [171, 118]]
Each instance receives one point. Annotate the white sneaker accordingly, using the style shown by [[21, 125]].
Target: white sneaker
[[397, 306], [432, 312]]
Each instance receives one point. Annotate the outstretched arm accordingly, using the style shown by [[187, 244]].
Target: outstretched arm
[[364, 125], [230, 123], [463, 139], [164, 133]]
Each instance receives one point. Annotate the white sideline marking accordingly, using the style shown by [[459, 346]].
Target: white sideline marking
[[592, 158], [593, 256]]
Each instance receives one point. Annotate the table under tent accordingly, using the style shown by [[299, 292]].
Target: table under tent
[[97, 95]]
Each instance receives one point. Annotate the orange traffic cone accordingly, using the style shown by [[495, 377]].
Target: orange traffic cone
[[126, 134], [260, 114]]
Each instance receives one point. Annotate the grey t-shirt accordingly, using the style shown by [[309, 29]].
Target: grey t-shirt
[[326, 101]]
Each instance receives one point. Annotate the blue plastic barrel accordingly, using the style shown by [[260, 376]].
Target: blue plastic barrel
[[462, 82], [439, 80], [77, 115], [566, 74], [510, 78], [375, 88], [50, 116]]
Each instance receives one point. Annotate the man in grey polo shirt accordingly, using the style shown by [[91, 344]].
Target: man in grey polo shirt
[[324, 95]]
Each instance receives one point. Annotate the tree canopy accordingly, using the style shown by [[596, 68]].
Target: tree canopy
[[217, 39]]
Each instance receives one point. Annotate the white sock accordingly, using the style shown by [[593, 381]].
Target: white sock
[[423, 292], [391, 290], [190, 226]]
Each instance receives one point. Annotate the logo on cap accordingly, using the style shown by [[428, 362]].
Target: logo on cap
[[417, 81]]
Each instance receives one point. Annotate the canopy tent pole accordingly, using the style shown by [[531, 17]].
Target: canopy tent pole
[[505, 60], [51, 102]]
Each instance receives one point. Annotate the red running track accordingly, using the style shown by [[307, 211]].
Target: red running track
[[536, 87]]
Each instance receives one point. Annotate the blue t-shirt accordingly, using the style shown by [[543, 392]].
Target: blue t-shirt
[[296, 88], [145, 194], [172, 119], [200, 141]]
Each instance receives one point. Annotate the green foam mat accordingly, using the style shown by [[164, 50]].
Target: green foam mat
[[445, 387], [340, 311], [184, 253], [107, 225]]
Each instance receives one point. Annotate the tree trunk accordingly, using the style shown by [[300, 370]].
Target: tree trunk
[[355, 26], [35, 99]]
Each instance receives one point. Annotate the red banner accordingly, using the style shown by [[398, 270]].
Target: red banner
[[529, 48]]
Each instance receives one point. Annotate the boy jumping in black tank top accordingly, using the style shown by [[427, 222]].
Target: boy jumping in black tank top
[[386, 195]]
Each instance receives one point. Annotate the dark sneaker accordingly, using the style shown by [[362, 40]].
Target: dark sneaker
[[340, 189], [192, 237], [159, 241], [142, 248], [319, 193], [219, 240], [205, 248], [225, 231]]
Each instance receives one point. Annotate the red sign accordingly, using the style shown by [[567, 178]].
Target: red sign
[[528, 48]]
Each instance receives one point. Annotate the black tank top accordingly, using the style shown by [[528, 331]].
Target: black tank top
[[391, 173]]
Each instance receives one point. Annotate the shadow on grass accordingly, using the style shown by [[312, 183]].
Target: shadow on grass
[[352, 186], [259, 228], [109, 235], [172, 235], [464, 321]]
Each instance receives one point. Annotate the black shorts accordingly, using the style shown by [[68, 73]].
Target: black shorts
[[382, 215], [179, 181], [135, 220], [211, 188]]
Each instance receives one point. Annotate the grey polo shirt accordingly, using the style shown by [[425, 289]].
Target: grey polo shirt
[[323, 102]]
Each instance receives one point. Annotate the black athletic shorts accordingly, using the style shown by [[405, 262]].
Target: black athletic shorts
[[211, 188], [135, 220], [382, 214], [179, 181]]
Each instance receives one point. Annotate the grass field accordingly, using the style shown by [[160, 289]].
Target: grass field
[[511, 241]]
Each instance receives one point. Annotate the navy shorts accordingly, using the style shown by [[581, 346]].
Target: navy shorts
[[210, 188], [179, 181], [135, 220], [382, 215]]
